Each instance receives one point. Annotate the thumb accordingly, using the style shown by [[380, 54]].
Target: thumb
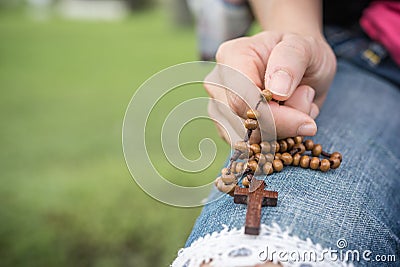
[[286, 66]]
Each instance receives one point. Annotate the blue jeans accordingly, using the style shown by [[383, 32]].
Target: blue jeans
[[360, 201]]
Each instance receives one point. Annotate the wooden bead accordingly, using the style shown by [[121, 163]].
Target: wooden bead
[[224, 187], [335, 163], [260, 158], [298, 139], [255, 148], [235, 155], [300, 148], [305, 161], [283, 146], [296, 159], [317, 149], [269, 157], [309, 144], [287, 158], [251, 124], [216, 181], [247, 154], [267, 168], [224, 171], [228, 178], [337, 155], [252, 164], [325, 165], [265, 147], [250, 153], [233, 166], [278, 165], [252, 114], [267, 94], [314, 163], [275, 146], [258, 171], [245, 182], [232, 192], [290, 142], [239, 167], [219, 183], [241, 146], [278, 156]]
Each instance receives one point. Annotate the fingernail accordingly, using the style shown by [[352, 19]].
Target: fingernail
[[310, 95], [280, 83], [314, 111], [307, 129]]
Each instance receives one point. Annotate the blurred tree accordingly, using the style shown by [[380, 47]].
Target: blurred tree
[[179, 12], [10, 3], [139, 4]]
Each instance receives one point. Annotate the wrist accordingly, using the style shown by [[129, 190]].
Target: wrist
[[302, 17]]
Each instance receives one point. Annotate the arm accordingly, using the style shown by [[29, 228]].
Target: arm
[[290, 16]]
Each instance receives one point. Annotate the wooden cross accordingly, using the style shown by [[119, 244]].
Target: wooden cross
[[255, 196]]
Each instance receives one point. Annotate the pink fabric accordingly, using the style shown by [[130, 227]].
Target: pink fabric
[[381, 21]]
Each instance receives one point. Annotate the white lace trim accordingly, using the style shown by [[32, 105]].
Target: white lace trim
[[232, 248]]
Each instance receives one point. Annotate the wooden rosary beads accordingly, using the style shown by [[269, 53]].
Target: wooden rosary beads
[[269, 157]]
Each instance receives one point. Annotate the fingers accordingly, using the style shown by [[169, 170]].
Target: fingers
[[234, 87], [291, 122], [314, 112], [243, 65], [284, 122], [286, 66], [302, 99], [229, 125], [242, 95], [248, 56], [288, 120]]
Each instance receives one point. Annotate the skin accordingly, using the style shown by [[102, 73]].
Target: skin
[[290, 57]]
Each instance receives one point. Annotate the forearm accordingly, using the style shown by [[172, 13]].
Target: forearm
[[289, 16]]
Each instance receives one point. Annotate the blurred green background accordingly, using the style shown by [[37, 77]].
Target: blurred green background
[[67, 198]]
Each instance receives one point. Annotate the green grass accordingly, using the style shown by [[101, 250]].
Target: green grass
[[67, 198]]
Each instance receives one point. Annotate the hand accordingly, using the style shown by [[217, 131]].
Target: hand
[[297, 69]]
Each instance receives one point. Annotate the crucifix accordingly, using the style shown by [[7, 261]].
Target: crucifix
[[255, 197]]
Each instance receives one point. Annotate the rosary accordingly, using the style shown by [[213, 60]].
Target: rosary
[[266, 158]]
